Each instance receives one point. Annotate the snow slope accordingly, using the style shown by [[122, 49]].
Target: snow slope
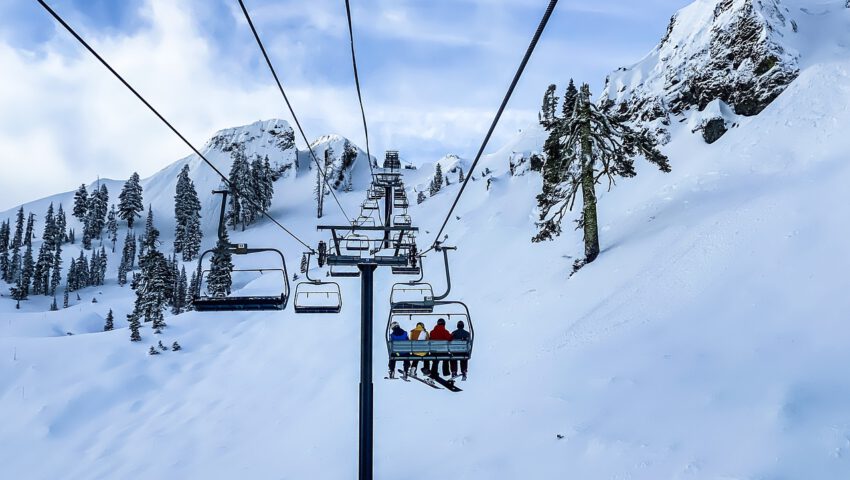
[[709, 340]]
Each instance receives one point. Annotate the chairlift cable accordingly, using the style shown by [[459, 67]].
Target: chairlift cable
[[498, 116], [359, 95], [166, 122], [291, 110]]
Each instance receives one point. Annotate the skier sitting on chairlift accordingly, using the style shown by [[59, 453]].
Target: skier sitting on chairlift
[[397, 333], [440, 333], [419, 333], [460, 334]]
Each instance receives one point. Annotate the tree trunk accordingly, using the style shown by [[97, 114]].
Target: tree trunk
[[588, 189]]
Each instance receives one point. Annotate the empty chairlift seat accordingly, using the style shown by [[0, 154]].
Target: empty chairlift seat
[[317, 297]]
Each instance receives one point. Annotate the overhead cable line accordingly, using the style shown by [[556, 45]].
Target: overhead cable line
[[166, 122], [359, 95], [501, 110], [291, 110]]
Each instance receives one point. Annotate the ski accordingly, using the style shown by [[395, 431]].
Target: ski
[[423, 380], [450, 385]]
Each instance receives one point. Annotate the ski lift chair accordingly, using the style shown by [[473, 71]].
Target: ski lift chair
[[316, 296], [402, 220], [432, 350], [203, 301], [400, 203], [412, 297], [369, 205]]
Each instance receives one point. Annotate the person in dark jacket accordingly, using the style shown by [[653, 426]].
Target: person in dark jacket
[[460, 334], [440, 333], [398, 334]]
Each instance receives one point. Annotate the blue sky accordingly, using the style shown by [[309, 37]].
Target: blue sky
[[432, 72]]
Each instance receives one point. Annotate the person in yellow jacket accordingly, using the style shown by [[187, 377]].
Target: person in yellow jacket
[[420, 333]]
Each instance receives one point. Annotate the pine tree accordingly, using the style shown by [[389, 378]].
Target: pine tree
[[112, 226], [570, 97], [61, 225], [153, 351], [49, 234], [41, 272], [27, 272], [178, 304], [153, 287], [4, 250], [98, 207], [320, 191], [28, 236], [81, 203], [109, 322], [194, 286], [187, 213], [130, 200], [71, 236], [240, 179], [547, 112], [304, 263], [56, 277], [14, 270], [176, 346], [53, 306], [65, 299], [218, 278], [594, 145], [420, 197], [133, 319], [437, 181], [460, 177]]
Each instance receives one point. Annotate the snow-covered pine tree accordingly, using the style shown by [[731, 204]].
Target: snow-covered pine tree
[[14, 270], [65, 299], [27, 271], [304, 263], [550, 104], [192, 290], [321, 189], [49, 234], [262, 190], [71, 278], [112, 226], [18, 293], [133, 319], [71, 236], [570, 96], [83, 279], [110, 322], [187, 215], [53, 306], [41, 271], [594, 145], [29, 236], [61, 225], [178, 304], [130, 200], [240, 181], [97, 209], [153, 351], [460, 176], [437, 181], [218, 278], [176, 346], [153, 284], [420, 198], [56, 276], [4, 249], [81, 203]]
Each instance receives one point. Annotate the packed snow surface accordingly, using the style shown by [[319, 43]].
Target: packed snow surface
[[709, 339]]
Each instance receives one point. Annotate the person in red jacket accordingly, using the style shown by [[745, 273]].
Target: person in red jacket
[[440, 333]]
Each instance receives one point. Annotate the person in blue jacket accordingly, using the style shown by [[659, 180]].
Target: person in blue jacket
[[397, 334], [460, 334]]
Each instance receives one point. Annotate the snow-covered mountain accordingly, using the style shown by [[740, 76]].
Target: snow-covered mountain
[[708, 340], [731, 56]]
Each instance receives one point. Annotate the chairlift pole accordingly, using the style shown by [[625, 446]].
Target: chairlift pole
[[388, 213], [367, 283]]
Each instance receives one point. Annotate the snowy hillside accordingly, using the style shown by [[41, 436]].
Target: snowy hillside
[[708, 340], [738, 52]]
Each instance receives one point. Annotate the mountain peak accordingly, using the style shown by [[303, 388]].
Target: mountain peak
[[732, 50]]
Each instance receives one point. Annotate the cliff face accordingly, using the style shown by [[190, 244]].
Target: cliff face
[[732, 51]]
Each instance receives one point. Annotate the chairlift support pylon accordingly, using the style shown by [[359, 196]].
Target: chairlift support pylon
[[204, 303]]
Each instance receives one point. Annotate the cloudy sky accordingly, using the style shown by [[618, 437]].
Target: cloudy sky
[[432, 73]]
